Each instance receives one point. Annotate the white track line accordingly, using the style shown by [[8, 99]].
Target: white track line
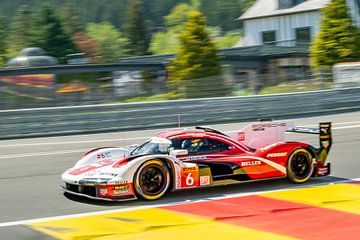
[[22, 155], [227, 196], [74, 142]]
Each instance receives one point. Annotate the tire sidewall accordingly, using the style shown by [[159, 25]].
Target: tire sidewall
[[291, 175], [138, 190]]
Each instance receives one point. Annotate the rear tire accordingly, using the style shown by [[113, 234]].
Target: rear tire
[[300, 166], [152, 180]]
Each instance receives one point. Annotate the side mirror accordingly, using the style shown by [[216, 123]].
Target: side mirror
[[179, 152]]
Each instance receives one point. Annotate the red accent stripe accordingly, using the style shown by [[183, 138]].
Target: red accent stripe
[[277, 216]]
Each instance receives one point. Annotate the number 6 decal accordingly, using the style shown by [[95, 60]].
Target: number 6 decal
[[189, 177], [189, 180]]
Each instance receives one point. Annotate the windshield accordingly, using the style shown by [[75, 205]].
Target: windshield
[[153, 146]]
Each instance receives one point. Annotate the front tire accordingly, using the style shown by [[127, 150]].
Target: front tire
[[152, 180], [300, 166]]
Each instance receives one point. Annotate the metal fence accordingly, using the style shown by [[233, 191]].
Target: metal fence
[[141, 86], [133, 116]]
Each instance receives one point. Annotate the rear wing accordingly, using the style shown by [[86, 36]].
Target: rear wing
[[325, 137]]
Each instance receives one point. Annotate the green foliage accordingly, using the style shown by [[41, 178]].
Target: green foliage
[[179, 14], [196, 59], [3, 34], [113, 45], [224, 13], [167, 41], [337, 40], [70, 19], [141, 21], [136, 29], [164, 42], [228, 40], [50, 35], [21, 31]]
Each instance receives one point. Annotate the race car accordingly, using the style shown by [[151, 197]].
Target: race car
[[197, 157]]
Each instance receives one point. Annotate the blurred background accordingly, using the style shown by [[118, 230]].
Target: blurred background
[[65, 53]]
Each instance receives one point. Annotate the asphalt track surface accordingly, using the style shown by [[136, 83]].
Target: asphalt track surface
[[30, 171]]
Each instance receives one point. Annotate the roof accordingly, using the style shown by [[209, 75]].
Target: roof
[[268, 8]]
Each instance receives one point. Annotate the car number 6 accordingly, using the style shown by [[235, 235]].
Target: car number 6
[[189, 180]]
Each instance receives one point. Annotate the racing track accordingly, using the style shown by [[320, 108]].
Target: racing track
[[31, 168]]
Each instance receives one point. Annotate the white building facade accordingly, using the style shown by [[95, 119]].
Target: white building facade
[[287, 22]]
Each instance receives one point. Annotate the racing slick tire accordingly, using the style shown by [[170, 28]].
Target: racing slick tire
[[152, 180], [300, 166]]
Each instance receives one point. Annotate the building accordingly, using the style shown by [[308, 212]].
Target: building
[[287, 22]]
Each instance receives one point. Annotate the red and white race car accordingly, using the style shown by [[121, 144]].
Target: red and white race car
[[198, 157]]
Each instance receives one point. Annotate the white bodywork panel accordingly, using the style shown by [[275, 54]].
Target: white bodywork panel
[[99, 164], [261, 134], [102, 154]]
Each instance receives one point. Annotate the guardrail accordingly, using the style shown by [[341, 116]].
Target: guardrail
[[132, 116]]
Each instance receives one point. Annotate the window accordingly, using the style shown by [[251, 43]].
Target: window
[[303, 35], [358, 5], [200, 145], [268, 37]]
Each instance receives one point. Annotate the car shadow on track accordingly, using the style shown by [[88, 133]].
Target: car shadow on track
[[201, 194]]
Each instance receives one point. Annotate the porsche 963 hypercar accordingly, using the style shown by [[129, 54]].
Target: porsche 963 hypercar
[[198, 157]]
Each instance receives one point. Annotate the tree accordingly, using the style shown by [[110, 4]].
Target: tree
[[113, 45], [21, 31], [337, 40], [136, 29], [50, 35], [3, 34], [196, 60], [167, 41], [89, 46], [70, 19]]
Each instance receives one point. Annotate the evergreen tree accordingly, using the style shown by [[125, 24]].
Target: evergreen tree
[[3, 33], [136, 29], [21, 31], [337, 40], [50, 35], [196, 60], [71, 20]]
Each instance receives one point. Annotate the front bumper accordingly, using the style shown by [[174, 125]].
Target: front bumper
[[92, 192]]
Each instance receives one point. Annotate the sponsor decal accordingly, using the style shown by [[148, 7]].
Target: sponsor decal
[[118, 182], [272, 155], [241, 136], [103, 191], [189, 177], [323, 171], [92, 173], [121, 189], [204, 180], [250, 163], [196, 158], [263, 126], [103, 155], [109, 174]]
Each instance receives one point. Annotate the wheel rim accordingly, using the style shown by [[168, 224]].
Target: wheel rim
[[152, 180], [300, 165]]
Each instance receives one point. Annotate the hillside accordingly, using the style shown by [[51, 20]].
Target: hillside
[[219, 13]]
